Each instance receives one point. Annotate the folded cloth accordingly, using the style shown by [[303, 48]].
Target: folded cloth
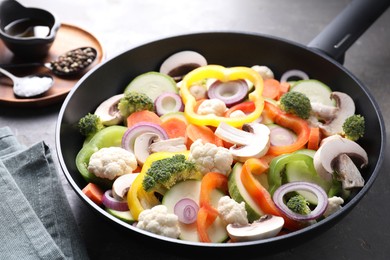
[[36, 221]]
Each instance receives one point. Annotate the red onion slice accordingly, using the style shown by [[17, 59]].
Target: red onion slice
[[281, 136], [293, 73], [279, 194], [133, 132], [187, 210], [231, 92], [110, 202], [168, 102]]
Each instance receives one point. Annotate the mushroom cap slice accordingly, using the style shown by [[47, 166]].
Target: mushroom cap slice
[[321, 171], [181, 63], [332, 147], [252, 141], [122, 184], [108, 111], [233, 135], [267, 226], [169, 145], [322, 111], [347, 172], [345, 109], [142, 144]]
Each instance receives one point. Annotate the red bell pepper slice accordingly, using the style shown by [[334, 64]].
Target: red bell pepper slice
[[246, 107], [207, 213], [296, 124], [259, 194]]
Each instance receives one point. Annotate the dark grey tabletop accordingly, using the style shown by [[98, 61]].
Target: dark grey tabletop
[[121, 24]]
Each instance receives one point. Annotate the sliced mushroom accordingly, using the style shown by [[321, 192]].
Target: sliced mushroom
[[267, 226], [347, 172], [180, 63], [345, 108], [331, 148], [108, 111], [122, 184], [142, 144], [252, 141], [169, 145], [323, 112]]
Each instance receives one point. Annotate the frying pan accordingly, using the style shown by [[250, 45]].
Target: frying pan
[[321, 59]]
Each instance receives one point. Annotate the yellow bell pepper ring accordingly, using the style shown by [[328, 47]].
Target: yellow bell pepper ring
[[223, 74]]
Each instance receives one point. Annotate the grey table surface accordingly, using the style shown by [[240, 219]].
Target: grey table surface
[[123, 24]]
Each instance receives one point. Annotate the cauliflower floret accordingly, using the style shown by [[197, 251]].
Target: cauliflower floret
[[264, 71], [231, 211], [210, 158], [158, 221], [112, 162], [198, 91], [212, 106], [334, 204], [237, 114]]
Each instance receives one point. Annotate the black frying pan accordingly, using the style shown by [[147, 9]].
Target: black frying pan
[[321, 59]]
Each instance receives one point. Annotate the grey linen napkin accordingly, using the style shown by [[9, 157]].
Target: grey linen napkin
[[36, 221]]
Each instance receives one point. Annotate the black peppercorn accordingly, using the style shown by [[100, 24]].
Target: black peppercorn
[[74, 61]]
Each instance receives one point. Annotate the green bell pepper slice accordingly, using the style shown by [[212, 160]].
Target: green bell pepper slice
[[294, 167]]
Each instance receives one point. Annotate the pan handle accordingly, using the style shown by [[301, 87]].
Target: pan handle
[[347, 27]]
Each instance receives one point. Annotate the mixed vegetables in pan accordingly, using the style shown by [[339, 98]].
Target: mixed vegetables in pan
[[217, 154]]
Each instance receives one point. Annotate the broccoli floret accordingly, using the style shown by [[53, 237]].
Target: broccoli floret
[[165, 173], [296, 103], [134, 101], [89, 125], [354, 127], [299, 204]]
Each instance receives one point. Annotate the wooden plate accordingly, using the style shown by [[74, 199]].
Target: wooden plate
[[68, 37]]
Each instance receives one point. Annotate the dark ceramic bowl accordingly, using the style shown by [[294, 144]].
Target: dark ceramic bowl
[[27, 32]]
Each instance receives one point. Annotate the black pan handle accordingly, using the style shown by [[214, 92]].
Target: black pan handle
[[347, 27]]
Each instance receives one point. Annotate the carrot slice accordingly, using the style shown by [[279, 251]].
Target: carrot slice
[[271, 88], [205, 133], [198, 102], [314, 138], [227, 144], [174, 127], [284, 88], [94, 192], [143, 116]]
